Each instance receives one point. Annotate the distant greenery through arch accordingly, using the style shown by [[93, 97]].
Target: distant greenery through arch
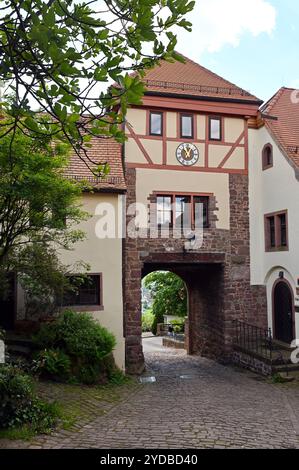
[[169, 297]]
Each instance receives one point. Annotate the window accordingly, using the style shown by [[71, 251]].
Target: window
[[267, 157], [87, 291], [156, 123], [164, 210], [187, 126], [215, 132], [271, 222], [201, 210], [181, 211], [276, 231], [283, 229]]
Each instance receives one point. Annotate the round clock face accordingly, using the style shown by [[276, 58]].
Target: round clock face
[[187, 154]]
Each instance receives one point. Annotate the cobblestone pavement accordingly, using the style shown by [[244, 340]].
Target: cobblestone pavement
[[194, 403]]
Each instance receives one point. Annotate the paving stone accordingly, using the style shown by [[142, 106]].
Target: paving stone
[[220, 407]]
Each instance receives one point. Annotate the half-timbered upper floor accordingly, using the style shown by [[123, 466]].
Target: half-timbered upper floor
[[188, 136]]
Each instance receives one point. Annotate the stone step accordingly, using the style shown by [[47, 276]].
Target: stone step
[[19, 340], [279, 345], [286, 368], [281, 359], [18, 350]]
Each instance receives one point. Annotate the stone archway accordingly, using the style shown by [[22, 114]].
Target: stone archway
[[203, 275]]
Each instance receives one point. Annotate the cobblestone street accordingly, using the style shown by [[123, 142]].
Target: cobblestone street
[[193, 403]]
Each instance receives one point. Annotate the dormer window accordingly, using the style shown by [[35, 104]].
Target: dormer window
[[156, 124], [267, 157], [187, 126], [215, 128]]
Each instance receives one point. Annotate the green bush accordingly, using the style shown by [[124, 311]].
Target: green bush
[[177, 329], [77, 334], [87, 344], [178, 325], [52, 363], [158, 318], [19, 404], [147, 320], [117, 377]]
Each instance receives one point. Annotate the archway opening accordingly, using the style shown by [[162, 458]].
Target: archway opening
[[283, 307], [164, 311]]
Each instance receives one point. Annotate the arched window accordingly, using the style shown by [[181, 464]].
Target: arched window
[[267, 156]]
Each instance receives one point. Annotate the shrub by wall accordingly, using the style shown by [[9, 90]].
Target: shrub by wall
[[147, 320], [19, 404], [75, 346]]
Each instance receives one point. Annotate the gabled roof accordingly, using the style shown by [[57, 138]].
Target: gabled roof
[[102, 150], [192, 79], [285, 129]]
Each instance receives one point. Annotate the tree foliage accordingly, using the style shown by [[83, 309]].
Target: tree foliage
[[169, 293], [39, 211], [55, 55]]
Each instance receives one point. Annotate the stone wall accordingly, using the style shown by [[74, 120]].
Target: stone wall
[[173, 343], [251, 363], [132, 292]]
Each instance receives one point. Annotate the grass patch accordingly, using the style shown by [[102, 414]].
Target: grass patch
[[278, 379], [117, 377], [27, 431], [24, 433], [74, 404]]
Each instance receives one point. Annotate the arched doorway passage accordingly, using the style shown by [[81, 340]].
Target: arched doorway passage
[[164, 311], [283, 311], [209, 333], [203, 282]]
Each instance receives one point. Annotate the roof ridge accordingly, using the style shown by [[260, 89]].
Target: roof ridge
[[285, 129], [210, 72], [269, 105]]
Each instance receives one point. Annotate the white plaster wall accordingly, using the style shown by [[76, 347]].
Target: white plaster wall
[[233, 128], [149, 181], [137, 119], [171, 124], [270, 191], [103, 256]]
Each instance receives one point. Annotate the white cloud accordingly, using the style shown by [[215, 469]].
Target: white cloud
[[217, 23]]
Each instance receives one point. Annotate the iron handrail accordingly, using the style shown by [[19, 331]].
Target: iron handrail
[[254, 339]]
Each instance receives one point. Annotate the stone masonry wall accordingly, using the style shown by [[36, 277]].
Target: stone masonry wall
[[219, 292]]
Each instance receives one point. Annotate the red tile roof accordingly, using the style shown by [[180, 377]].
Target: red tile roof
[[192, 79], [285, 129], [103, 150]]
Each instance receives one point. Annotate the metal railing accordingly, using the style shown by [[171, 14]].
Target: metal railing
[[252, 339], [197, 88], [96, 180], [166, 329]]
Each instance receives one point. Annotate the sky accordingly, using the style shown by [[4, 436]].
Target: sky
[[252, 43]]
